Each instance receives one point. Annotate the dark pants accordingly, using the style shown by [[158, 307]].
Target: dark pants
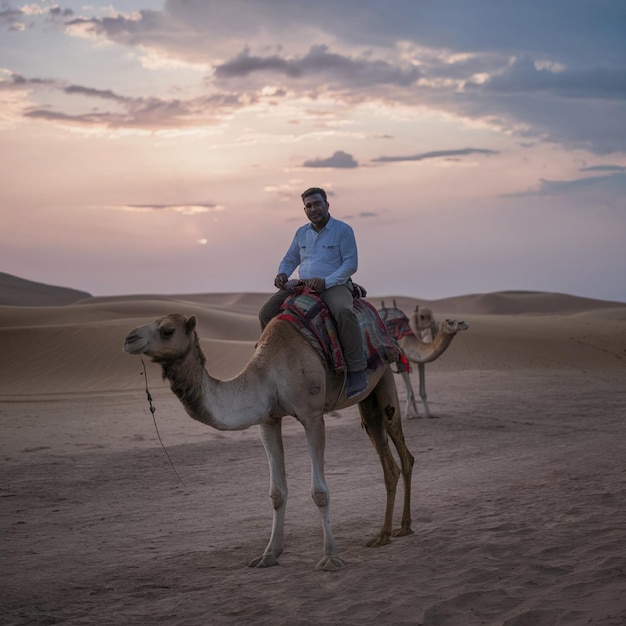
[[338, 299]]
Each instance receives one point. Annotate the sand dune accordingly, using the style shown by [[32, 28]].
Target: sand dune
[[519, 486], [19, 291]]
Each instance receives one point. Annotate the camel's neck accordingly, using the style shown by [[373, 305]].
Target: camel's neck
[[226, 405], [421, 352]]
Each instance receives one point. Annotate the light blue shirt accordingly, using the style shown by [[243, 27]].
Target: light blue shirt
[[330, 254]]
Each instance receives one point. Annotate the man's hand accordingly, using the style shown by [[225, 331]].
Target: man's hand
[[315, 284], [280, 280]]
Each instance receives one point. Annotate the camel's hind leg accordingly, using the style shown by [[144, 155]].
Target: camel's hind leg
[[380, 414], [393, 426]]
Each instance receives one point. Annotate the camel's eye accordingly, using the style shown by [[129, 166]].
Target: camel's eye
[[167, 332]]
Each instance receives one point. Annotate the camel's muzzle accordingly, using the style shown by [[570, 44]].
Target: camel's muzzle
[[133, 343]]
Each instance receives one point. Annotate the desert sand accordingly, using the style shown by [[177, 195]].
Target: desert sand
[[519, 501]]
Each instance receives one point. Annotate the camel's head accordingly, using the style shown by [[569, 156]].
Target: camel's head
[[166, 339], [426, 328], [452, 327], [423, 324], [423, 318]]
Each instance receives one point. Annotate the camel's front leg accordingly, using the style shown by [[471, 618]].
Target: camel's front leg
[[316, 441], [421, 367], [411, 408], [271, 436]]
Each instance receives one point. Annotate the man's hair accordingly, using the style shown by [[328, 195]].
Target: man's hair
[[313, 190]]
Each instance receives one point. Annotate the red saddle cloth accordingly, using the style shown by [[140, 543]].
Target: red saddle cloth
[[396, 321], [308, 313], [397, 324]]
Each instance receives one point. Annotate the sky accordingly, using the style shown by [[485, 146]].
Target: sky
[[161, 147]]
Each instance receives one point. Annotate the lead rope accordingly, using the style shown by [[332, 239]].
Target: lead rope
[[153, 411]]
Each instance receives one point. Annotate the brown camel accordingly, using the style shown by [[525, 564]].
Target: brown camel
[[285, 376], [422, 340]]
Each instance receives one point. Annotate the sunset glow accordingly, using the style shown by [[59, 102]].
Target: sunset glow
[[472, 149]]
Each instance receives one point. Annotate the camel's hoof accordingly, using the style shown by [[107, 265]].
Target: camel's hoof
[[380, 540], [414, 417], [331, 564], [265, 560], [402, 532]]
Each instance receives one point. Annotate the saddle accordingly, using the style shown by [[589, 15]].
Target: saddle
[[397, 324], [306, 311], [395, 320]]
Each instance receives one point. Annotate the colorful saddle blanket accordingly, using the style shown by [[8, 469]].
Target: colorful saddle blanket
[[397, 324], [396, 321], [308, 313]]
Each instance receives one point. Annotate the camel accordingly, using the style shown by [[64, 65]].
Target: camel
[[422, 340], [285, 376]]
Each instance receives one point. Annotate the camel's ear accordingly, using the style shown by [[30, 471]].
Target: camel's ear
[[191, 324]]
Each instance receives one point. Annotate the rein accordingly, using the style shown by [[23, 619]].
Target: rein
[[153, 411]]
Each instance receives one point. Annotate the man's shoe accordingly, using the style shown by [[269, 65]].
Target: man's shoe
[[356, 383]]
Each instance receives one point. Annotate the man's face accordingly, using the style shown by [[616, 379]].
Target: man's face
[[316, 210]]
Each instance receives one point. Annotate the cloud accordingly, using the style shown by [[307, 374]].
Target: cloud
[[105, 94], [339, 159], [129, 29], [548, 71], [14, 18], [134, 112], [11, 19], [604, 168], [615, 182], [436, 154], [58, 11], [21, 82], [360, 215], [321, 62], [578, 29], [525, 75], [189, 208]]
